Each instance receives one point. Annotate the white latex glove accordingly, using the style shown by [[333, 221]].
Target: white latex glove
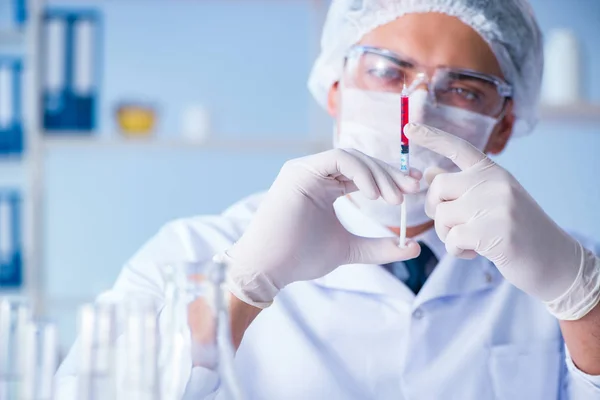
[[295, 234], [484, 210]]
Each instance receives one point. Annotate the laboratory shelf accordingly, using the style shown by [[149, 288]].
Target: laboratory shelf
[[79, 142], [583, 112], [12, 293], [12, 172], [11, 160], [12, 37]]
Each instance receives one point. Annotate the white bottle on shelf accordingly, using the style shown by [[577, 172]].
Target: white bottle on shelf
[[561, 85], [196, 123]]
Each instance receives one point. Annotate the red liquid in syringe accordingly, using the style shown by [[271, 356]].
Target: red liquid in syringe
[[404, 164], [403, 120]]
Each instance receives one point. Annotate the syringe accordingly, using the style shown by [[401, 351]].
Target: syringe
[[404, 163]]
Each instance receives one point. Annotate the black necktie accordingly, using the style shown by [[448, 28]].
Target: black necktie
[[417, 268]]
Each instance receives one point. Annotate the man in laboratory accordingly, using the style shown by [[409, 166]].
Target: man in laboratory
[[490, 299]]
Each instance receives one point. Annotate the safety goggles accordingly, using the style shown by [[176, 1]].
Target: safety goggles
[[381, 70]]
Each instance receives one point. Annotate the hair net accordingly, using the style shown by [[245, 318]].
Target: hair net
[[508, 26]]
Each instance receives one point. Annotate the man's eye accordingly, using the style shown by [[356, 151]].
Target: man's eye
[[465, 94], [387, 73]]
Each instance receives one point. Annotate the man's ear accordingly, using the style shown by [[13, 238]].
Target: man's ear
[[333, 100], [502, 132]]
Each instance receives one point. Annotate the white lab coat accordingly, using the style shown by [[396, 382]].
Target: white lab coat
[[360, 333]]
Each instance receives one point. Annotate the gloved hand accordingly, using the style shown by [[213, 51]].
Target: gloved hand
[[484, 210], [295, 234]]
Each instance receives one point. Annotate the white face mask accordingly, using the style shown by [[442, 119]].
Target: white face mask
[[370, 122]]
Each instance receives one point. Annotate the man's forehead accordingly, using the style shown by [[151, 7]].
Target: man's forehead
[[435, 40]]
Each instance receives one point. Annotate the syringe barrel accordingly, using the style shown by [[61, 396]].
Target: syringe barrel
[[403, 119]]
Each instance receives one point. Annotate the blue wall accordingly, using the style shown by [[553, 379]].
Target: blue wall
[[247, 61]]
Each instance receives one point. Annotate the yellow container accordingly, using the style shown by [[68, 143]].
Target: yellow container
[[136, 120]]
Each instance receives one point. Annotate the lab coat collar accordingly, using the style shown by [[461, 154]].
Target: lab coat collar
[[451, 276], [456, 277]]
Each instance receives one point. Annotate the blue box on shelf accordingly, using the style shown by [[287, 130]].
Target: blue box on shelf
[[11, 118], [20, 11], [11, 265], [73, 39]]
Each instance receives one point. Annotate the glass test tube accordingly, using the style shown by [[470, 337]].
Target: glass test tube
[[39, 357], [202, 313], [15, 314], [97, 365], [174, 333], [139, 378], [217, 275]]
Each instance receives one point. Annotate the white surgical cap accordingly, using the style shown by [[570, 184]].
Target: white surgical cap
[[508, 26]]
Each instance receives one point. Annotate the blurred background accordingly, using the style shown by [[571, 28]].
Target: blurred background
[[151, 110]]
